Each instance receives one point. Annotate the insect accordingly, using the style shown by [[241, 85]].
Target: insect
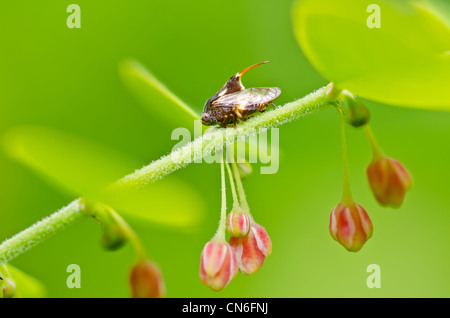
[[233, 102]]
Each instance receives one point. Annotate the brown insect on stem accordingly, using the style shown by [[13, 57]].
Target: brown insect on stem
[[233, 102]]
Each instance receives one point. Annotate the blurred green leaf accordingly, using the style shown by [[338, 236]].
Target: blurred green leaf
[[85, 168], [168, 201], [441, 8], [26, 286], [156, 96], [78, 165], [404, 62]]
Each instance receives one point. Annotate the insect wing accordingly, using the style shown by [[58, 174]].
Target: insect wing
[[248, 97]]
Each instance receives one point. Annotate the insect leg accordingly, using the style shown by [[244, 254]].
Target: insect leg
[[262, 108], [234, 121], [271, 103], [239, 115]]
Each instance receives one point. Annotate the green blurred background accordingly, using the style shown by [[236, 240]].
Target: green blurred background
[[67, 79]]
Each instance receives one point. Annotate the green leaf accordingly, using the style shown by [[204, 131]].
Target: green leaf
[[441, 8], [404, 62], [78, 165], [168, 201], [159, 100], [85, 168]]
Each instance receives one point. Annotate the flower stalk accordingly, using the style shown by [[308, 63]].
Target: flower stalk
[[347, 193], [131, 235], [233, 188], [240, 187], [376, 149], [220, 234], [40, 231]]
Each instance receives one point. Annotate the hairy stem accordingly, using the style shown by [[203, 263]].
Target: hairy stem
[[220, 234], [40, 231], [241, 191], [199, 149], [233, 189], [194, 151]]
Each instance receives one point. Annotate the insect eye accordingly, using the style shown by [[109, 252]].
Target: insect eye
[[207, 119]]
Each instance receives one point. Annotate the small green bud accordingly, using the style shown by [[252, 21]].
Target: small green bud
[[113, 237], [357, 114], [245, 169]]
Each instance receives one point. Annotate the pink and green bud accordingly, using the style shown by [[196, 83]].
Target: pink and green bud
[[238, 222], [146, 281], [389, 181], [350, 225], [218, 265], [252, 250]]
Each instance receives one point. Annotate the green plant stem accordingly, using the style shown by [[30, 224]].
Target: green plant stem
[[240, 187], [233, 189], [376, 149], [40, 231], [131, 235], [241, 191], [199, 149], [347, 193], [156, 170], [220, 234]]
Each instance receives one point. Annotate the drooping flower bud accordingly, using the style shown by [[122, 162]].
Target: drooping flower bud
[[389, 181], [113, 237], [218, 265], [146, 281], [350, 225], [357, 114], [238, 222], [252, 250]]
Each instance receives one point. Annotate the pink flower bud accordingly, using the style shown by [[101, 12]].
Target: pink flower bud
[[217, 265], [350, 225], [389, 181], [238, 222], [252, 249], [146, 281]]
